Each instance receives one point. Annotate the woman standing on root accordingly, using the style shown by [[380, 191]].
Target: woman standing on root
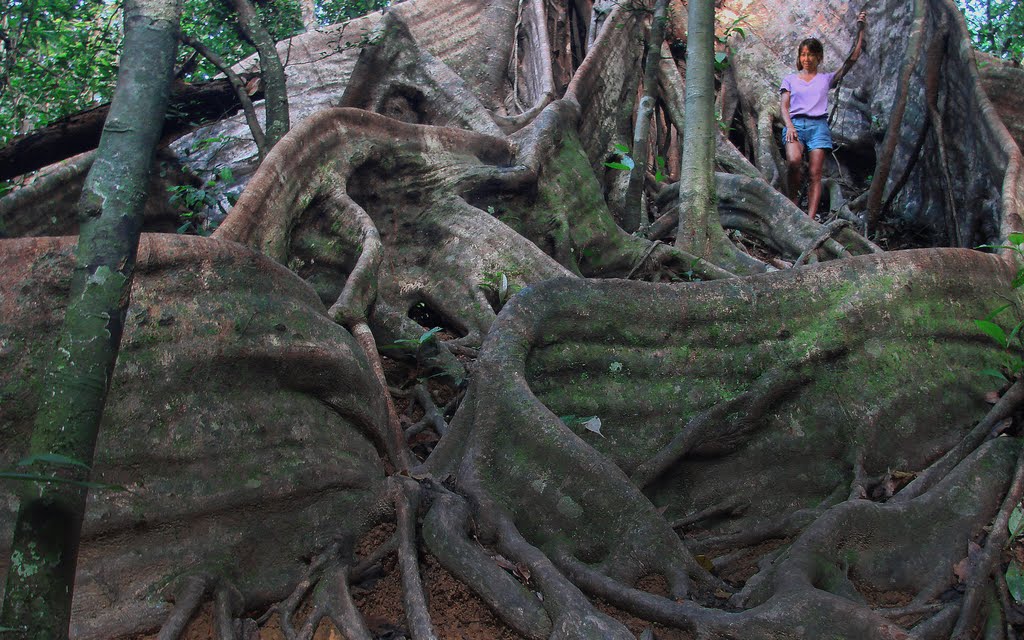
[[805, 112]]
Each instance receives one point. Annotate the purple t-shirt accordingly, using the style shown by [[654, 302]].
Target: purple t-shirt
[[808, 98]]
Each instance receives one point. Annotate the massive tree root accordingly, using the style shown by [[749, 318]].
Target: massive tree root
[[241, 420], [741, 441], [558, 351]]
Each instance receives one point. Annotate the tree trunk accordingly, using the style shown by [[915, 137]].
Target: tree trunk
[[699, 229], [633, 214], [270, 68], [45, 547]]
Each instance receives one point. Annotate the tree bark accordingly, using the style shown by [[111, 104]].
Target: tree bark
[[633, 210], [44, 550], [270, 68], [699, 228]]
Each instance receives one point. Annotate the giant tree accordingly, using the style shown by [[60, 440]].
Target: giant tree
[[590, 417]]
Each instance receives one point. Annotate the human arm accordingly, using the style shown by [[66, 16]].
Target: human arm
[[790, 129], [862, 20]]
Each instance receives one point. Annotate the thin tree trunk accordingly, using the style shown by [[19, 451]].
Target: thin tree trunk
[[44, 550], [271, 69], [308, 8], [632, 214], [699, 228], [239, 86]]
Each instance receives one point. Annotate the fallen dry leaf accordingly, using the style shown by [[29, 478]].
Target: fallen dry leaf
[[962, 569]]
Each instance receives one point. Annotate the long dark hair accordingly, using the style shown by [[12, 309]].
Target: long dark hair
[[813, 47]]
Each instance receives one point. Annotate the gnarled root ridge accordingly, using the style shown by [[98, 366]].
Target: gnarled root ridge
[[755, 375], [241, 421]]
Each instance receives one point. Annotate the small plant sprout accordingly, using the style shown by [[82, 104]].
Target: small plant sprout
[[497, 282], [626, 163], [197, 201], [659, 172], [734, 28], [416, 342]]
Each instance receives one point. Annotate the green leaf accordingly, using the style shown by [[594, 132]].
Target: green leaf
[[720, 57], [993, 331], [617, 165], [1014, 333], [53, 458], [226, 175], [741, 31], [1015, 581], [427, 335], [1016, 238], [995, 373], [621, 148], [997, 311], [1018, 279], [660, 160], [1016, 522]]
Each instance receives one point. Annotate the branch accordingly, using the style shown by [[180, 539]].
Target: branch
[[240, 91], [271, 69]]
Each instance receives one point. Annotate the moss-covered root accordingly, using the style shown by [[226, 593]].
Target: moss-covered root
[[861, 547], [559, 487], [753, 207]]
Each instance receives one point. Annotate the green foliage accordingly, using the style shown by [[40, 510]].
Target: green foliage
[[626, 163], [733, 28], [214, 23], [332, 11], [196, 202], [416, 342], [58, 57], [659, 174], [1014, 572], [996, 26], [497, 283], [1012, 343]]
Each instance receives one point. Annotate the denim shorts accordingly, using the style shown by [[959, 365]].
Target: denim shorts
[[812, 132]]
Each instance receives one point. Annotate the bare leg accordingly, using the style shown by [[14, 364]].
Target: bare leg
[[817, 161], [794, 168]]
